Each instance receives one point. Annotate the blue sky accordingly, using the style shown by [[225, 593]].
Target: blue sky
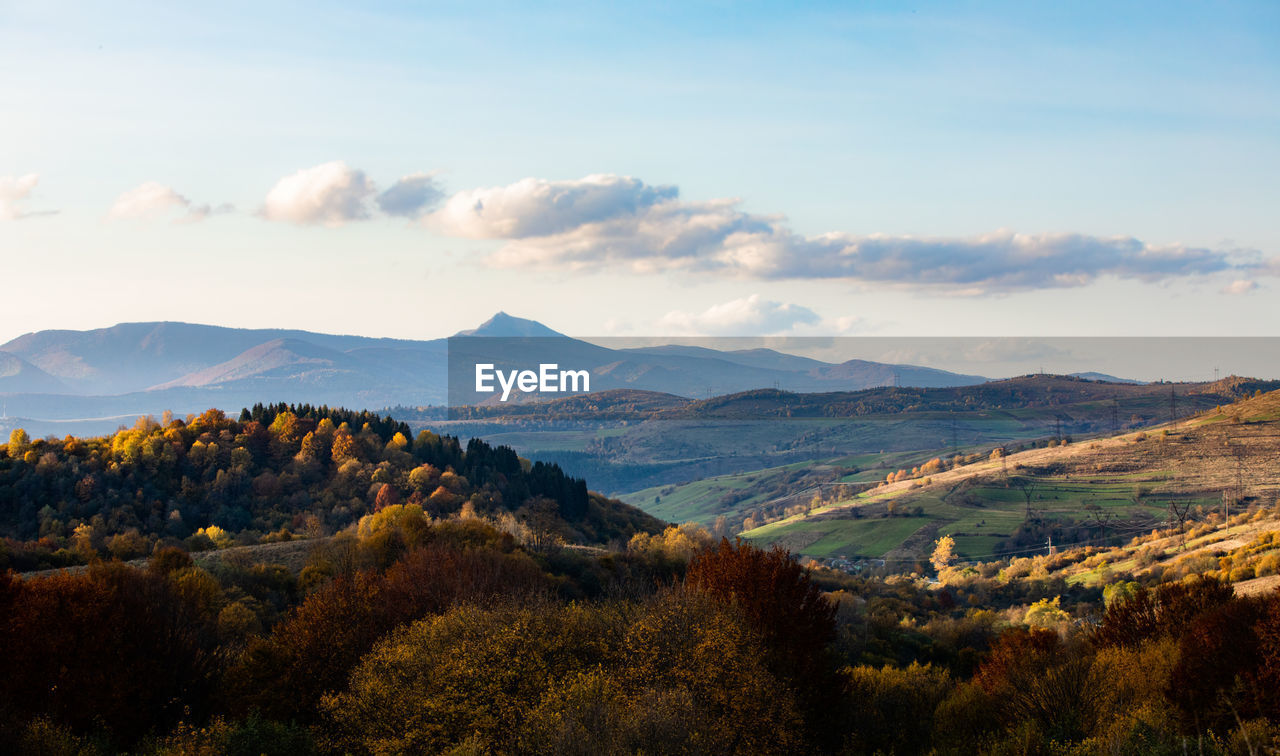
[[870, 168]]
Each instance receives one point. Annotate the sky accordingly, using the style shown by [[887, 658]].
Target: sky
[[856, 169]]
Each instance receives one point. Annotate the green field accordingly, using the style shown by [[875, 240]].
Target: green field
[[697, 501], [703, 500], [867, 538], [979, 517]]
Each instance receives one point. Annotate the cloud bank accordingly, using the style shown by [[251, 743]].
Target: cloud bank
[[621, 222], [748, 316], [608, 221], [13, 190]]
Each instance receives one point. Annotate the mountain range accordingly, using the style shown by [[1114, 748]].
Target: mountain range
[[105, 375]]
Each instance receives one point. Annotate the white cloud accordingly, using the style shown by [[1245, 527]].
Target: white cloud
[[15, 189], [616, 221], [411, 196], [1240, 286], [330, 194], [154, 201], [748, 316], [539, 208], [849, 324]]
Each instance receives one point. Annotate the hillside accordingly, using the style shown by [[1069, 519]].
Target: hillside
[[1134, 402], [276, 473], [1081, 404], [1243, 549], [634, 444], [1074, 493]]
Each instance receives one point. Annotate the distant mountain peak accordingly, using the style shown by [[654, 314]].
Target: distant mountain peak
[[509, 326]]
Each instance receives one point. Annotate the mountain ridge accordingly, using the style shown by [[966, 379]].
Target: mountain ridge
[[189, 367]]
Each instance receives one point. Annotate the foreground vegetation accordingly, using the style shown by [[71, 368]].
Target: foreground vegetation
[[409, 634]]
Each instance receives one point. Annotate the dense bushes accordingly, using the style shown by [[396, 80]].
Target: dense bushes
[[114, 649], [417, 635], [313, 649], [678, 672]]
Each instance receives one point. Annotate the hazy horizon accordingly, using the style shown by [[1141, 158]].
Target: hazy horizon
[[1177, 359]]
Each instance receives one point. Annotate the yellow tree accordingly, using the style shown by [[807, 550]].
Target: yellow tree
[[344, 445], [944, 553], [285, 427], [18, 443]]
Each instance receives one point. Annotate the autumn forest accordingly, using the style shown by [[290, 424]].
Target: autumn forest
[[311, 580]]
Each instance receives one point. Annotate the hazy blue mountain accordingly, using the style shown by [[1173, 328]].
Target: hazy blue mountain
[[767, 359], [278, 358], [1092, 376], [18, 376], [296, 370], [138, 356], [860, 374], [103, 375]]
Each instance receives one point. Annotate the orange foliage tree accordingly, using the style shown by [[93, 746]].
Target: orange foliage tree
[[795, 621]]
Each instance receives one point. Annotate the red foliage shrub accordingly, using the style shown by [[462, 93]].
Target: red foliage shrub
[[795, 621], [115, 648]]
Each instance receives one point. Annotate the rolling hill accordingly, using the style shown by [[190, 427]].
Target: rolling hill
[[633, 443], [1075, 492]]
